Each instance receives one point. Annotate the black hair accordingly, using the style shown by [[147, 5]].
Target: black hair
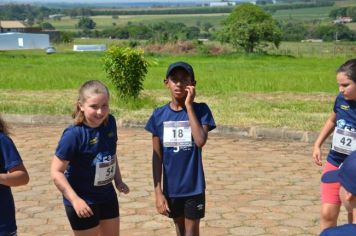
[[349, 69]]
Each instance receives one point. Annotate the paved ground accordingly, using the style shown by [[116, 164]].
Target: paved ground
[[254, 187]]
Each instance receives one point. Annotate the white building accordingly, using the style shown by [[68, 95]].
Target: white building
[[343, 20], [89, 47], [222, 4], [13, 41]]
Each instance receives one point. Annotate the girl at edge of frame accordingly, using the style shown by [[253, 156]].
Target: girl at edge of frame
[[12, 173], [342, 121], [85, 164]]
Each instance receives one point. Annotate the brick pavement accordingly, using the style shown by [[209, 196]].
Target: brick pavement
[[254, 187]]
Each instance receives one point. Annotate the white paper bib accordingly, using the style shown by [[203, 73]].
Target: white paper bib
[[104, 172], [344, 141], [177, 134]]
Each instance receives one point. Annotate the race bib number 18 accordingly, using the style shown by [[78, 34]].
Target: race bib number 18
[[177, 134], [344, 141]]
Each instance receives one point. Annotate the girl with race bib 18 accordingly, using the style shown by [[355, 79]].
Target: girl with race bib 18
[[342, 123], [85, 164]]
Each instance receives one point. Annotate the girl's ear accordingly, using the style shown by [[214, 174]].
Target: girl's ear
[[80, 106]]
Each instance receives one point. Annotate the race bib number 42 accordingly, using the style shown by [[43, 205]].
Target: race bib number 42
[[344, 141], [177, 134], [104, 172]]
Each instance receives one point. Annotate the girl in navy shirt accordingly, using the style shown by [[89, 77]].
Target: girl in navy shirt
[[85, 164], [12, 173], [342, 122]]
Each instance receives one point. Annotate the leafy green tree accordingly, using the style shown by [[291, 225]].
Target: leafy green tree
[[72, 13], [351, 12], [335, 13], [293, 30], [335, 32], [86, 23], [47, 26], [207, 26], [248, 27], [30, 21], [13, 11], [126, 68], [192, 32], [139, 31], [62, 37]]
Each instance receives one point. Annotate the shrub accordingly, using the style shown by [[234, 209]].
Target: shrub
[[126, 69]]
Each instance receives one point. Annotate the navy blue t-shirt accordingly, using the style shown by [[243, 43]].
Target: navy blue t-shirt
[[9, 158], [183, 173], [343, 230], [87, 148], [346, 120]]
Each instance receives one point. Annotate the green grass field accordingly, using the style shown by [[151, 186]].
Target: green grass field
[[321, 13], [104, 22], [269, 91]]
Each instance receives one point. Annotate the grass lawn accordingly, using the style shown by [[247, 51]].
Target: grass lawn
[[269, 91]]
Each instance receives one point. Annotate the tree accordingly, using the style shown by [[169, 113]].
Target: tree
[[66, 37], [86, 23], [47, 26], [248, 26], [293, 30], [351, 12], [207, 26], [126, 68], [335, 32], [335, 13]]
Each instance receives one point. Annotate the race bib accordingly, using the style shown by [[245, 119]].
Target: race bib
[[104, 172], [344, 141], [177, 134]]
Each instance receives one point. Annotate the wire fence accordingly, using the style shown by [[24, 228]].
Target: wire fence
[[311, 49]]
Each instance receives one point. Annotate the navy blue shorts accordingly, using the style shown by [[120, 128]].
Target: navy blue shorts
[[102, 211], [192, 207]]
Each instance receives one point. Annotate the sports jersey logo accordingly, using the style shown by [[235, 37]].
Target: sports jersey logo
[[342, 124], [102, 157], [93, 141], [345, 107]]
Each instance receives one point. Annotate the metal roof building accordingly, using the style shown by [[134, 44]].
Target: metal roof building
[[13, 41], [11, 26]]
